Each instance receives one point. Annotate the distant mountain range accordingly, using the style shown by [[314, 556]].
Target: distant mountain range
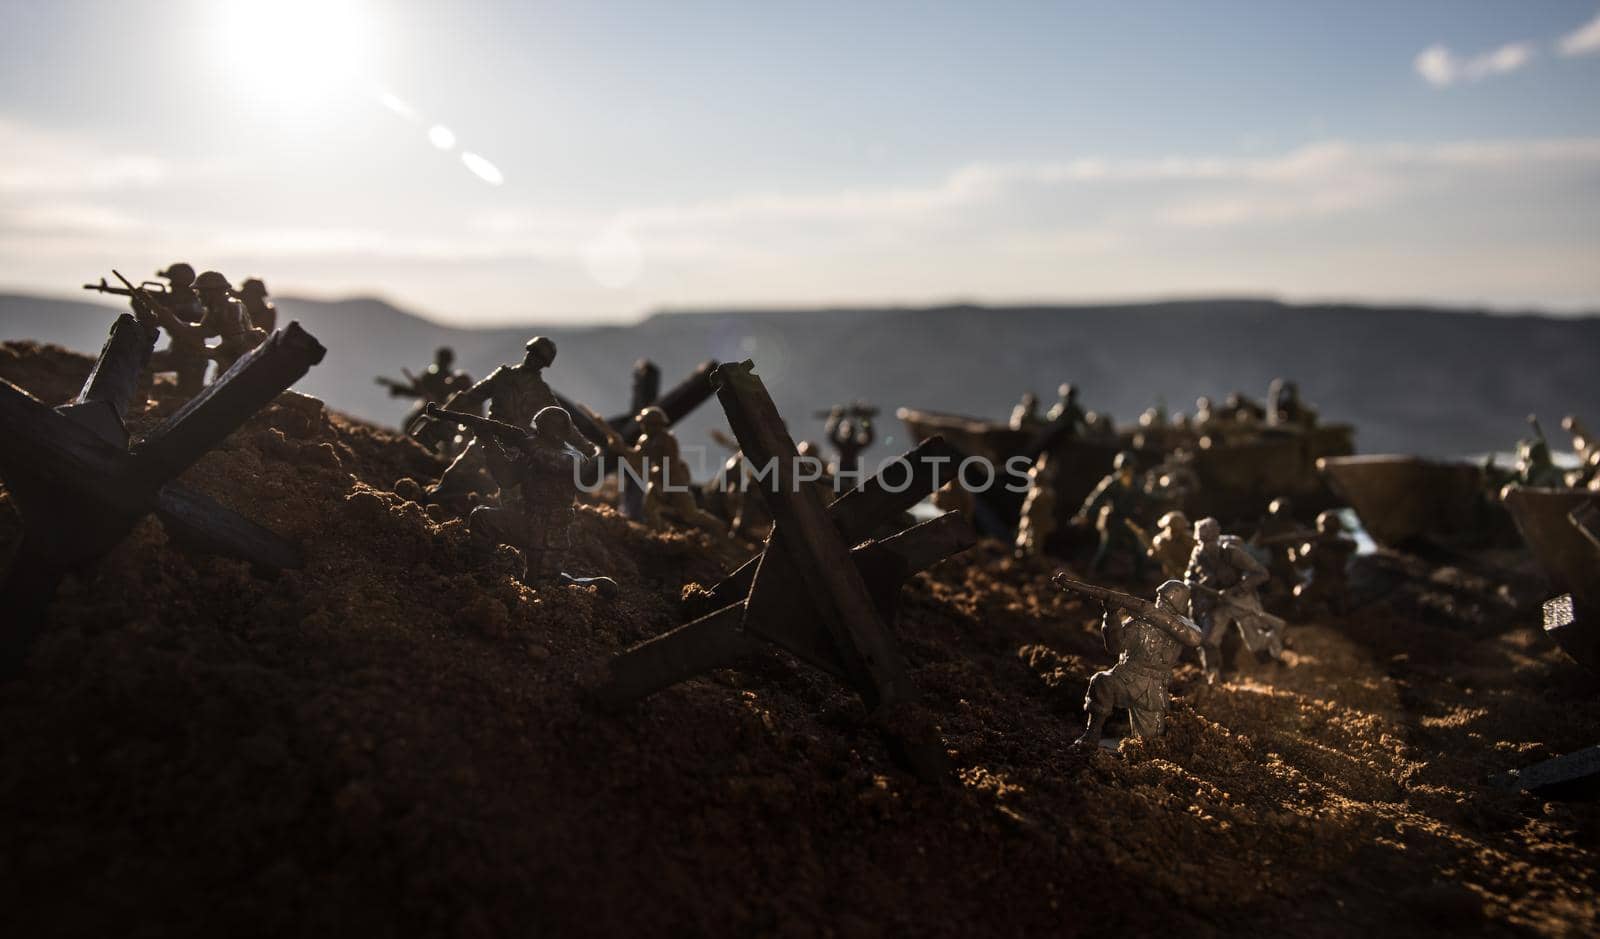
[[1412, 380]]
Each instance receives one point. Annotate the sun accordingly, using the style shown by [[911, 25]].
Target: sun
[[291, 51]]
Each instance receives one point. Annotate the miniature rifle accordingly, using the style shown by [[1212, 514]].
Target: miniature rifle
[[1243, 606], [396, 389], [509, 434], [1178, 626], [152, 309], [127, 291], [1140, 533]]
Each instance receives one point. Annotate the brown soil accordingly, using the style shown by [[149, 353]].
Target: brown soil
[[392, 741]]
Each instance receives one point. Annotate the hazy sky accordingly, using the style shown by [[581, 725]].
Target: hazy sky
[[488, 162]]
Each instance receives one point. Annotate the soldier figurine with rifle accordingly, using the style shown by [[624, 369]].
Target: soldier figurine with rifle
[[186, 353], [179, 297], [1147, 639], [229, 319], [1117, 499], [1327, 553], [1223, 578], [515, 393], [434, 386], [543, 465], [668, 487], [253, 294]]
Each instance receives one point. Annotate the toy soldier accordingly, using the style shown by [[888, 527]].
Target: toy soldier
[[1204, 417], [1327, 553], [1534, 466], [1172, 544], [1222, 579], [227, 317], [181, 314], [542, 463], [1066, 411], [1025, 416], [1147, 639], [253, 293], [656, 457], [850, 431], [1173, 481], [1239, 407], [1116, 500], [434, 386], [1585, 445], [515, 393], [1286, 408], [1038, 521], [1276, 534], [643, 391]]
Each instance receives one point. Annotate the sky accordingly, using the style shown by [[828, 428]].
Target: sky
[[487, 162]]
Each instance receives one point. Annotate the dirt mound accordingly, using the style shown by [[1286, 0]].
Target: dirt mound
[[393, 741]]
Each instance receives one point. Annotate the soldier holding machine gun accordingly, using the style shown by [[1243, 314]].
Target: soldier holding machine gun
[[434, 386], [1147, 639]]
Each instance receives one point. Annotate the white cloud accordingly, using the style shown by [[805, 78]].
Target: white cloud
[[34, 163], [1585, 40], [1442, 68]]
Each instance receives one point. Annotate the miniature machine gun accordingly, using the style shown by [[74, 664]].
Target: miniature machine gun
[[129, 290], [410, 388], [508, 434], [1116, 599]]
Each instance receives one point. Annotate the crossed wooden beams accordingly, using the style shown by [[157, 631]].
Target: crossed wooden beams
[[80, 489], [819, 589]]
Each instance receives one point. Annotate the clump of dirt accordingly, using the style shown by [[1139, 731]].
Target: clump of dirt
[[394, 740]]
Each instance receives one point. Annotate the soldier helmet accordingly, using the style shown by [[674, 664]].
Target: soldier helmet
[[253, 287], [1278, 506], [1067, 391], [652, 418], [444, 356], [212, 280], [1207, 529], [1175, 594], [542, 350], [554, 421], [1328, 523], [1123, 460], [179, 273], [1173, 521]]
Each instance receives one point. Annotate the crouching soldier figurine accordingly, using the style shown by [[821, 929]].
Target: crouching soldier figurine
[[1147, 639], [656, 456], [543, 463]]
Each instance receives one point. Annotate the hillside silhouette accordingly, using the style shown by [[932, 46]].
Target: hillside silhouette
[[1412, 379]]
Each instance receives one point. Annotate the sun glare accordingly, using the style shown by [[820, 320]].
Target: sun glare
[[292, 50]]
